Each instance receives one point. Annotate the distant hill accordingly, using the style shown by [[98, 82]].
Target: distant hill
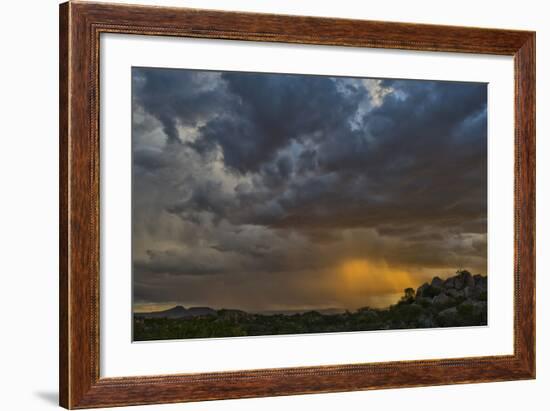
[[325, 311], [181, 312], [460, 300], [178, 312]]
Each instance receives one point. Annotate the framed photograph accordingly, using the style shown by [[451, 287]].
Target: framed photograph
[[259, 205]]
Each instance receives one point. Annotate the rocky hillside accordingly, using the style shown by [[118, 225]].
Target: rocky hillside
[[460, 300]]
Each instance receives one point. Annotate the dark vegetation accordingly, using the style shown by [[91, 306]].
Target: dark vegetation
[[458, 301]]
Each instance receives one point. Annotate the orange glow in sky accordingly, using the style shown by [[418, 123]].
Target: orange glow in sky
[[374, 278]]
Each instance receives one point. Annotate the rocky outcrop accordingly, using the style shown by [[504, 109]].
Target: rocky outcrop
[[442, 299], [455, 301]]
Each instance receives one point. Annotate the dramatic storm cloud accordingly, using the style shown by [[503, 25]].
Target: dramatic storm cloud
[[272, 191]]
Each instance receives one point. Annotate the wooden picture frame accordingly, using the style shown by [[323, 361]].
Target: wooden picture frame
[[80, 27]]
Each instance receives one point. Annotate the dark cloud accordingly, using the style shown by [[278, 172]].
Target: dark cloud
[[288, 175], [176, 97], [268, 112], [148, 159]]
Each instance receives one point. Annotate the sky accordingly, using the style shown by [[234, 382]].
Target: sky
[[262, 192]]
